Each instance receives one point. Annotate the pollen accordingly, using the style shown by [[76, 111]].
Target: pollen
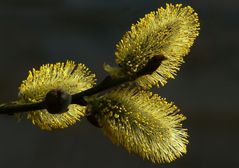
[[143, 123], [169, 32], [70, 77]]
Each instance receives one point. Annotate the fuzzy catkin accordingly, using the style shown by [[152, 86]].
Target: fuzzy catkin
[[143, 123], [70, 77], [169, 32]]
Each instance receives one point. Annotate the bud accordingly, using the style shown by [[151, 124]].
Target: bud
[[57, 101], [151, 66]]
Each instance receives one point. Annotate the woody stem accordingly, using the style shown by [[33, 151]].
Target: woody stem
[[78, 98], [57, 101]]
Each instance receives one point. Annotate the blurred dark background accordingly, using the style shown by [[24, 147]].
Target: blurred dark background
[[34, 32]]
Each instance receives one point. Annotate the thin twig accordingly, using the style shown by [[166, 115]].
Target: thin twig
[[78, 98]]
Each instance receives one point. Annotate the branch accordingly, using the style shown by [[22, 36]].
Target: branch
[[57, 101], [11, 108]]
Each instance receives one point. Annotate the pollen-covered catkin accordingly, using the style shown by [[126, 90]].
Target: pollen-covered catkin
[[169, 32], [142, 122], [70, 77]]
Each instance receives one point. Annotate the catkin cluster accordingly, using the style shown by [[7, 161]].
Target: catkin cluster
[[130, 115]]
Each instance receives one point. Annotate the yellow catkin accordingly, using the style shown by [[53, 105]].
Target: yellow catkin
[[169, 32], [143, 123], [70, 77]]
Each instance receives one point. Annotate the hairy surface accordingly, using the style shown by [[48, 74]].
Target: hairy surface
[[70, 77], [142, 122], [169, 32]]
